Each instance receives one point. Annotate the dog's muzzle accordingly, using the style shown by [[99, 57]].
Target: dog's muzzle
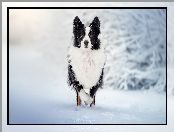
[[86, 43]]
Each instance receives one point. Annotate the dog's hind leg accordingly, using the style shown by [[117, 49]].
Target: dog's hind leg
[[94, 89], [78, 99]]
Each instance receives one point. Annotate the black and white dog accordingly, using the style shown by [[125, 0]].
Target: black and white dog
[[86, 61]]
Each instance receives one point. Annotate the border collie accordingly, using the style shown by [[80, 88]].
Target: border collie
[[86, 61]]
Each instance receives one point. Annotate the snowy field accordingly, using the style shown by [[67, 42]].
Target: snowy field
[[32, 101], [38, 68]]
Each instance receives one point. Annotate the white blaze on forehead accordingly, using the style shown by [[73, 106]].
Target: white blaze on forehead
[[87, 30]]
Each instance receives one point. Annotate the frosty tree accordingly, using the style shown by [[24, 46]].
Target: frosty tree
[[136, 49]]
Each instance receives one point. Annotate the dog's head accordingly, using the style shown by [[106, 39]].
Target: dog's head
[[86, 37]]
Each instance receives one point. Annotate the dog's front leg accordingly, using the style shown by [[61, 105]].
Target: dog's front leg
[[93, 102]]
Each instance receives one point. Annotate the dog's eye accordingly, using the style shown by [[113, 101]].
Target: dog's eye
[[81, 36], [90, 34]]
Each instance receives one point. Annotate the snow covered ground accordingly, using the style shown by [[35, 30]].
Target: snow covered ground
[[38, 69], [39, 95]]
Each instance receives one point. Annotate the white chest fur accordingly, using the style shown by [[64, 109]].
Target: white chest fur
[[87, 65]]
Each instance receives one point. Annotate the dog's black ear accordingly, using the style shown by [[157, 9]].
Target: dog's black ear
[[95, 25], [79, 31], [94, 32], [77, 24], [96, 22]]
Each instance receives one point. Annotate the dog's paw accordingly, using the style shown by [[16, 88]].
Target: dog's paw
[[89, 101], [83, 95]]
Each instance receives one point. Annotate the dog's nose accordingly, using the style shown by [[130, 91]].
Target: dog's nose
[[86, 43]]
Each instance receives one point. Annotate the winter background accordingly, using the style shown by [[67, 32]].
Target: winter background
[[134, 90]]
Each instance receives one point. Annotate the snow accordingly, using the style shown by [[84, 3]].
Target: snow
[[34, 101], [38, 69]]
